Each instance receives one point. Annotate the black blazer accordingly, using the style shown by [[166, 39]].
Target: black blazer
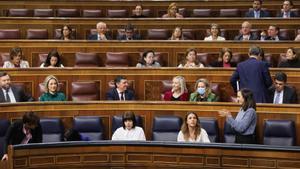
[[279, 37], [95, 37], [113, 94], [250, 14], [134, 37], [14, 135], [289, 95], [292, 14], [240, 37], [19, 94]]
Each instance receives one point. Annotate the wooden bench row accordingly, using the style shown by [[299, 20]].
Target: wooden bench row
[[84, 26], [148, 110], [147, 83]]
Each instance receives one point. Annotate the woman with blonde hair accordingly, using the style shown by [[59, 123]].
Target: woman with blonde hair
[[172, 12], [191, 130], [203, 92], [214, 33], [178, 91], [52, 91]]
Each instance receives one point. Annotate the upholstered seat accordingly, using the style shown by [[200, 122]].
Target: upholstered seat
[[4, 57], [90, 127], [189, 34], [37, 34], [42, 89], [230, 13], [10, 34], [53, 129], [92, 13], [85, 91], [68, 13], [43, 12], [4, 124], [279, 132], [158, 34], [117, 13], [86, 60], [211, 127], [117, 122], [201, 13], [116, 59], [57, 33], [166, 128], [146, 12], [19, 13]]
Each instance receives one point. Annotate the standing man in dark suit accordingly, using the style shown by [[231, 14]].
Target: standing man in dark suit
[[25, 131], [101, 32], [246, 33], [281, 93], [129, 33], [10, 93], [257, 12], [120, 91], [273, 34], [254, 75], [286, 11]]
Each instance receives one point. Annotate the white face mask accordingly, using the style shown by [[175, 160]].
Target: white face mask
[[201, 90]]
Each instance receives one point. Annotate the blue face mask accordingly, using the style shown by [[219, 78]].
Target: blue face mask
[[201, 90]]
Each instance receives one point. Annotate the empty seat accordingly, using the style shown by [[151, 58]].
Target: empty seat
[[210, 125], [4, 124], [117, 13], [166, 128], [43, 13], [90, 127], [53, 129], [19, 12], [4, 57], [229, 133], [68, 13], [116, 59], [42, 58], [158, 34], [201, 13], [279, 132], [230, 13], [37, 34], [85, 91], [117, 122], [183, 12], [9, 34], [189, 34], [288, 34], [91, 13], [86, 60], [204, 58], [166, 86]]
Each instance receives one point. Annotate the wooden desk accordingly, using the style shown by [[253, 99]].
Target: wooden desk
[[151, 155]]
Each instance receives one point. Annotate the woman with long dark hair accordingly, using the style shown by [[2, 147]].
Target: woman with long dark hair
[[245, 122]]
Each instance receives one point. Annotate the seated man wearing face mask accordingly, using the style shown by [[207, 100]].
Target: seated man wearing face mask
[[203, 92]]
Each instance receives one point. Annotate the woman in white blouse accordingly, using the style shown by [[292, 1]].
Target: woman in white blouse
[[191, 130], [16, 60], [129, 130], [214, 33]]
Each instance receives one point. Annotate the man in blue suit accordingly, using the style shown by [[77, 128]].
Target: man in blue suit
[[286, 11], [254, 75], [120, 91], [257, 12]]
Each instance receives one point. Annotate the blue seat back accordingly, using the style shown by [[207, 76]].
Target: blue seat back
[[210, 125], [90, 127], [166, 128], [53, 129]]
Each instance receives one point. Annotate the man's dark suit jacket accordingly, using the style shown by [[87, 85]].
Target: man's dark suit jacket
[[292, 14], [113, 94], [19, 94], [95, 37], [279, 37], [240, 37], [14, 135], [134, 37], [289, 95], [250, 14], [254, 75]]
